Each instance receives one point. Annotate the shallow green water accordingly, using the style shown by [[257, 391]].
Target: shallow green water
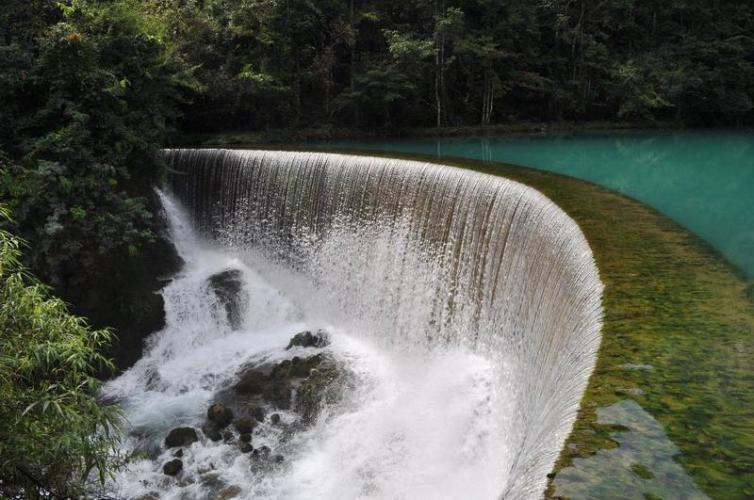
[[702, 179]]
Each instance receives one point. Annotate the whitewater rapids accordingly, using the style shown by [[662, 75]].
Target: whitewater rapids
[[466, 307]]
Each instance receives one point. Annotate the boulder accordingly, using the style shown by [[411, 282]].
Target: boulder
[[173, 467], [275, 418], [246, 447], [251, 382], [261, 453], [244, 425], [245, 437], [181, 436], [212, 432], [307, 339], [219, 415], [257, 412], [231, 491], [228, 288]]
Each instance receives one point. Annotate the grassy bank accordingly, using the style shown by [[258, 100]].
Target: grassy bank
[[241, 138], [678, 311]]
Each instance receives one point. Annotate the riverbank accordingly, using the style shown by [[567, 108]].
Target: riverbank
[[241, 138], [678, 339]]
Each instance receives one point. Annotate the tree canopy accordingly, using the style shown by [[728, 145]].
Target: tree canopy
[[375, 63]]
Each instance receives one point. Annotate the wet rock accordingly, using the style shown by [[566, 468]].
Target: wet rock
[[307, 339], [261, 453], [173, 467], [179, 453], [219, 415], [212, 432], [250, 383], [246, 447], [244, 425], [227, 493], [319, 388], [228, 436], [278, 393], [245, 438], [152, 495], [275, 418], [181, 436], [228, 288], [258, 413]]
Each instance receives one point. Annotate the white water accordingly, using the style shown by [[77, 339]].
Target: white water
[[425, 424], [465, 306]]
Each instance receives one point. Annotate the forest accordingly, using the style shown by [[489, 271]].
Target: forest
[[92, 90]]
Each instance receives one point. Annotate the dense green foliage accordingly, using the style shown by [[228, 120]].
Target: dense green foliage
[[54, 433], [377, 63], [87, 90]]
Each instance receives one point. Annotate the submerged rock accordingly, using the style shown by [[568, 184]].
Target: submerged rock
[[307, 339], [246, 447], [181, 436], [228, 288], [173, 467]]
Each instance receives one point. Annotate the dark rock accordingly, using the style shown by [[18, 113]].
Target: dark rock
[[181, 436], [219, 415], [275, 418], [245, 437], [278, 459], [262, 452], [179, 453], [246, 447], [317, 389], [173, 467], [258, 413], [278, 393], [228, 288], [244, 425], [307, 339], [152, 495], [227, 436], [212, 432], [227, 493], [251, 382]]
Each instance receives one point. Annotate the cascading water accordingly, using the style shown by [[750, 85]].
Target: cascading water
[[465, 307]]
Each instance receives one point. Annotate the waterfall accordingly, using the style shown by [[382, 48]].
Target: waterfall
[[421, 259]]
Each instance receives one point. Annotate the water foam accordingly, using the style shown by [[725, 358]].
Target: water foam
[[466, 305]]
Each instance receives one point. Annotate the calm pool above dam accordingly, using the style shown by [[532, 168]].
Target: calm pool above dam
[[702, 179]]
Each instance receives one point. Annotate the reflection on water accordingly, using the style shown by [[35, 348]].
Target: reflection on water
[[641, 467], [702, 179]]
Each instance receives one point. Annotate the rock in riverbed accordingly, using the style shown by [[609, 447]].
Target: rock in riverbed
[[173, 467], [228, 288], [307, 339], [181, 436]]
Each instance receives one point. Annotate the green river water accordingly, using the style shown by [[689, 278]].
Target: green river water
[[702, 179]]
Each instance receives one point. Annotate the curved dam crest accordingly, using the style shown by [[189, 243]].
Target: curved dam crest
[[420, 257]]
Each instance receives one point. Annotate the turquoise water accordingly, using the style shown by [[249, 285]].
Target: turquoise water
[[702, 179]]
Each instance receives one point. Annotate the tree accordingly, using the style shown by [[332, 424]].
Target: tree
[[91, 96], [56, 438]]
